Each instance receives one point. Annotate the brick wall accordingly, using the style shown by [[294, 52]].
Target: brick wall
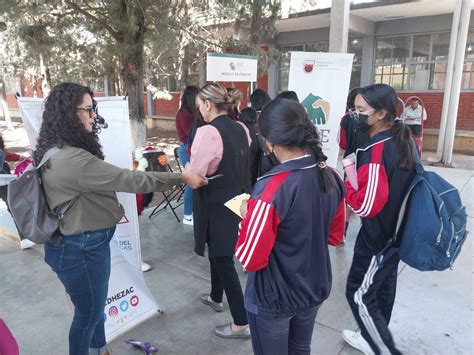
[[434, 105]]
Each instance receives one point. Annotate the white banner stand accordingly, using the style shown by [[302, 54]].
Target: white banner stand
[[321, 81]]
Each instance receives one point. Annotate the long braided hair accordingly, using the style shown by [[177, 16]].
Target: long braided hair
[[61, 124], [285, 122]]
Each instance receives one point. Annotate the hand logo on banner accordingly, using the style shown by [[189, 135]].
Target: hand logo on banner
[[317, 109]]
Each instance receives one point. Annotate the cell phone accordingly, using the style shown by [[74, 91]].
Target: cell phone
[[215, 176]]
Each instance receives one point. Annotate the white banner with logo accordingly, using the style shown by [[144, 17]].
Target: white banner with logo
[[231, 67], [321, 81], [129, 302]]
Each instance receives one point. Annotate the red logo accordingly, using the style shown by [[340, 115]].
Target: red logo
[[113, 311], [134, 301], [308, 66]]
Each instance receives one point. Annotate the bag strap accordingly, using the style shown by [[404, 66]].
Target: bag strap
[[62, 209], [49, 153]]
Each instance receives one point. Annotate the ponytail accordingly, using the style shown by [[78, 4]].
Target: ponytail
[[309, 139], [404, 142]]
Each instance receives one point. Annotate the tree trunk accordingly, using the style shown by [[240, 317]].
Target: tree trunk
[[132, 76]]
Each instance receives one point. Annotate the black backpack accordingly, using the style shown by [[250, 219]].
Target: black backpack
[[28, 205]]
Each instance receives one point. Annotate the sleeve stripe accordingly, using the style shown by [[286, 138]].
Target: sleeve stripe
[[371, 191], [369, 184], [257, 212], [257, 236], [374, 193]]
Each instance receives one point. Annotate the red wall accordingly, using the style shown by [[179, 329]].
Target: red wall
[[434, 105]]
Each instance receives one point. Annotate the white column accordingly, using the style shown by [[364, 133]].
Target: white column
[[367, 70], [449, 78], [339, 30], [456, 82]]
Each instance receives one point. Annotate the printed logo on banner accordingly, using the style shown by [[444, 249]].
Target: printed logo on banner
[[134, 301], [308, 66], [113, 311], [232, 66], [123, 306], [120, 295], [317, 108]]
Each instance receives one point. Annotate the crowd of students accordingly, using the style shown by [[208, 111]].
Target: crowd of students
[[296, 210]]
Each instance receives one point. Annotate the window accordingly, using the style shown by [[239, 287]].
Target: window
[[468, 69], [419, 62], [354, 46]]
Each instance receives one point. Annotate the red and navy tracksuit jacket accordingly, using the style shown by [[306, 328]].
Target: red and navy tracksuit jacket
[[283, 240], [382, 187]]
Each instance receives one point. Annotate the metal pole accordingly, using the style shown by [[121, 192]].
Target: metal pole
[[456, 84], [449, 78]]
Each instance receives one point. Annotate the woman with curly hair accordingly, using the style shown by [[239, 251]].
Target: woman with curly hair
[[76, 176]]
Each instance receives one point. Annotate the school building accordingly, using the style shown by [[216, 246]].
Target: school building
[[403, 43]]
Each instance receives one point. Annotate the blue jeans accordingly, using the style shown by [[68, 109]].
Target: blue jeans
[[281, 336], [188, 192], [82, 264]]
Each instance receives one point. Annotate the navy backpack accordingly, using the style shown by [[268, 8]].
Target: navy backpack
[[431, 227]]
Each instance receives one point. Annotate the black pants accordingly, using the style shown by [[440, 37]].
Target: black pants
[[415, 129], [283, 336], [225, 278], [371, 288]]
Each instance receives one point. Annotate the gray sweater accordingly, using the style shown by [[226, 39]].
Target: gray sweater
[[75, 173]]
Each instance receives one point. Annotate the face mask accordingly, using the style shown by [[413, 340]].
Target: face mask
[[362, 120]]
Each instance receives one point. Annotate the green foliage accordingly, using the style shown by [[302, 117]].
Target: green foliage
[[161, 41]]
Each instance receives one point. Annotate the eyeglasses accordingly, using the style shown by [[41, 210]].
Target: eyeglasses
[[355, 114], [90, 110]]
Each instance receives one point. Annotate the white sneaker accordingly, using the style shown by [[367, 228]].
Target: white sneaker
[[26, 244], [356, 340], [146, 267], [188, 219]]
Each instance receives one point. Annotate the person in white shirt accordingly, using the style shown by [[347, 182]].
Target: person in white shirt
[[413, 116]]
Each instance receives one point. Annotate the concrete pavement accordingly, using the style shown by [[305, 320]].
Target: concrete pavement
[[433, 313]]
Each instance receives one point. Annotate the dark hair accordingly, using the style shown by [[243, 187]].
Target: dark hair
[[2, 144], [384, 97], [351, 98], [248, 116], [259, 99], [285, 122], [61, 125], [289, 94], [188, 99]]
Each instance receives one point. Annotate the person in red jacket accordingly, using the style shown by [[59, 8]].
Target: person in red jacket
[[185, 119], [385, 169], [294, 211], [5, 169]]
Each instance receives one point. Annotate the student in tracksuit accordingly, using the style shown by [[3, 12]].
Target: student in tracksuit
[[385, 168], [292, 214]]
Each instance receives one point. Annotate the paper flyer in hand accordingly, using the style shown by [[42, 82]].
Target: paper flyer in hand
[[235, 203]]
